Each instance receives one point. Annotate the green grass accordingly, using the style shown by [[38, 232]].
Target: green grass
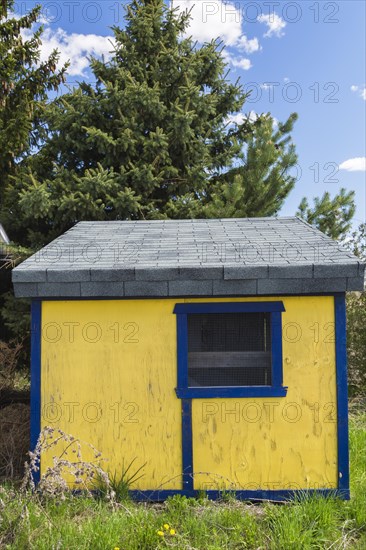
[[82, 523]]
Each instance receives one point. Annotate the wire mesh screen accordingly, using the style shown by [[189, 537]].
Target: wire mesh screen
[[229, 349]]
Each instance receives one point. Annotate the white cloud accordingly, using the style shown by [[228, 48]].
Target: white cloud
[[212, 19], [236, 119], [248, 45], [242, 63], [239, 118], [357, 164], [252, 116], [237, 61], [275, 24], [219, 19], [43, 19], [74, 47], [361, 91]]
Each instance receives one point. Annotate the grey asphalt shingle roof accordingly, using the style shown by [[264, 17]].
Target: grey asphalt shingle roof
[[250, 256]]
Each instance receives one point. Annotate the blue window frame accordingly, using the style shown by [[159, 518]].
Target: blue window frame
[[273, 310]]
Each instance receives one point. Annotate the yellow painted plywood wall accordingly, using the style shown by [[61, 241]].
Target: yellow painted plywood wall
[[277, 443], [108, 377], [116, 378]]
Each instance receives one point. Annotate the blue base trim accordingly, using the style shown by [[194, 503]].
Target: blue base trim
[[342, 393], [231, 391], [259, 495], [35, 392]]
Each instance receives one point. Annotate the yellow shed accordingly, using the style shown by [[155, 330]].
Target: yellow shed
[[213, 352]]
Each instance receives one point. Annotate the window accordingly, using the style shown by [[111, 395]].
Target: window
[[229, 349]]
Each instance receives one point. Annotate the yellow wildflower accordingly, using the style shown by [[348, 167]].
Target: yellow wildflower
[[166, 526], [160, 533], [172, 531]]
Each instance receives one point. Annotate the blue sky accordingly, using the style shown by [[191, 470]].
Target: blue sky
[[304, 56]]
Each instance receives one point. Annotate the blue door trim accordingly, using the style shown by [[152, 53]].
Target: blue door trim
[[187, 445], [35, 392], [342, 394]]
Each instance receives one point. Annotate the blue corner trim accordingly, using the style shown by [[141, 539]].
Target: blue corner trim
[[342, 392], [35, 423], [255, 495], [187, 445], [229, 307], [230, 391]]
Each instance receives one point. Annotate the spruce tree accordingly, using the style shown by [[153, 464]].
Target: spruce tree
[[24, 83], [151, 139]]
